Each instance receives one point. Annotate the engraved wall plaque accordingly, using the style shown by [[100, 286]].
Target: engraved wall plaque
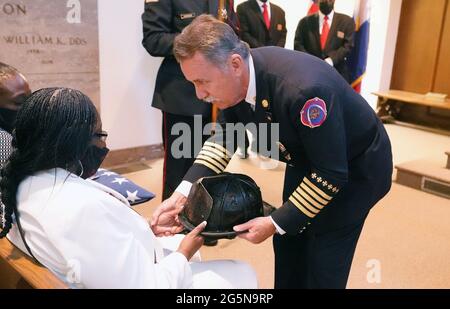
[[52, 42]]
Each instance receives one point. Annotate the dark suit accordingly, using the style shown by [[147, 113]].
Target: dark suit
[[338, 45], [254, 31], [339, 163], [175, 96]]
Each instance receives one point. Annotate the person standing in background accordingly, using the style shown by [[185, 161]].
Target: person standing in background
[[262, 23], [327, 35], [14, 90], [162, 21]]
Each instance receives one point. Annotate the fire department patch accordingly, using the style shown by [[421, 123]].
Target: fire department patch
[[314, 113]]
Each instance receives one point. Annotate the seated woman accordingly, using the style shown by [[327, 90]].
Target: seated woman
[[82, 231], [14, 90]]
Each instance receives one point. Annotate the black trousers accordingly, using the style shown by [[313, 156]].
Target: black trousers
[[320, 256], [176, 168], [312, 260]]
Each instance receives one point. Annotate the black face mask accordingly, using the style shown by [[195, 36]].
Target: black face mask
[[92, 160], [7, 119], [326, 7]]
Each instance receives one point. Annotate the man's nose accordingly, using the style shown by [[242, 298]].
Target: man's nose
[[201, 92]]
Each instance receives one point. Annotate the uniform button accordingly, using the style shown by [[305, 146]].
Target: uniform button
[[265, 103]]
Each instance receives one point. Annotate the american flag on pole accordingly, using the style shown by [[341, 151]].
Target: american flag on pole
[[358, 56], [313, 7], [124, 186]]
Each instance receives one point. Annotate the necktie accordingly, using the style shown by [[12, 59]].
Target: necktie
[[325, 30], [266, 16]]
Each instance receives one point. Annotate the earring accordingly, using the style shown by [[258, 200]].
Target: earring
[[82, 169]]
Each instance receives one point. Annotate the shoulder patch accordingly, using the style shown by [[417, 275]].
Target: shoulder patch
[[314, 113]]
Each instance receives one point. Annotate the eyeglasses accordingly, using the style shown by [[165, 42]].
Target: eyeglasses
[[101, 135]]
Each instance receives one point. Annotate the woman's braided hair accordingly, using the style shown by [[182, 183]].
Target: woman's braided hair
[[53, 129]]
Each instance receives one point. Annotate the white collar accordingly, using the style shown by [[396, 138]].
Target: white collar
[[260, 3], [251, 90], [322, 16]]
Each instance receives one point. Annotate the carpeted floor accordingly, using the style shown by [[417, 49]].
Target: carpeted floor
[[405, 241]]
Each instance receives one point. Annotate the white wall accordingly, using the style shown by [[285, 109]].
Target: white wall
[[383, 37], [127, 77], [127, 72]]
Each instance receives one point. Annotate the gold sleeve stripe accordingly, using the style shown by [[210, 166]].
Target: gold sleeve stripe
[[212, 161], [219, 147], [305, 188], [215, 158], [220, 161], [307, 205], [309, 199], [207, 164], [215, 153], [319, 191], [302, 209]]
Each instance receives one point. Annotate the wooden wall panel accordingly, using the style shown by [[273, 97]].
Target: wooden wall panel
[[417, 45], [442, 81]]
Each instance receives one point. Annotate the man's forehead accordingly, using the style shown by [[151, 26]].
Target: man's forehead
[[196, 67]]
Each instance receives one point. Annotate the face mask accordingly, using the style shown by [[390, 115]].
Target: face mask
[[7, 119], [92, 160], [326, 7]]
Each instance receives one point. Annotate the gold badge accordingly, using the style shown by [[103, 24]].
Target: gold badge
[[279, 27], [265, 103], [187, 15]]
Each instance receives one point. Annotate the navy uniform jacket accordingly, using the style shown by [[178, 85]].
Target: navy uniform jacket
[[162, 20], [339, 42], [253, 30], [338, 153]]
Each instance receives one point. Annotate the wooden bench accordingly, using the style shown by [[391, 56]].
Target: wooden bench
[[391, 103], [17, 270]]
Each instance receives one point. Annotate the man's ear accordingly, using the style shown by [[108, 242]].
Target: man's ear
[[237, 64]]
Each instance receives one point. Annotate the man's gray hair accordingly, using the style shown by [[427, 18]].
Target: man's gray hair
[[215, 40]]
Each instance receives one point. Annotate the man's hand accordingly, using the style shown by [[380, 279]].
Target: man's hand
[[258, 229], [165, 218]]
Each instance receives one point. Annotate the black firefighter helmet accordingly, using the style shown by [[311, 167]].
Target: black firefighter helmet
[[223, 201]]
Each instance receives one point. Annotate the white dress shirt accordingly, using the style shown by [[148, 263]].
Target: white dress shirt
[[330, 21], [322, 19], [260, 3]]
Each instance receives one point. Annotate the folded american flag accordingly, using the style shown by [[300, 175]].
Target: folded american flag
[[131, 191]]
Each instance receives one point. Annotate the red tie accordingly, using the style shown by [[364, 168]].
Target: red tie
[[266, 16], [325, 30]]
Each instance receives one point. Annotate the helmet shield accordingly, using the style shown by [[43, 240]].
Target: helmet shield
[[223, 201]]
